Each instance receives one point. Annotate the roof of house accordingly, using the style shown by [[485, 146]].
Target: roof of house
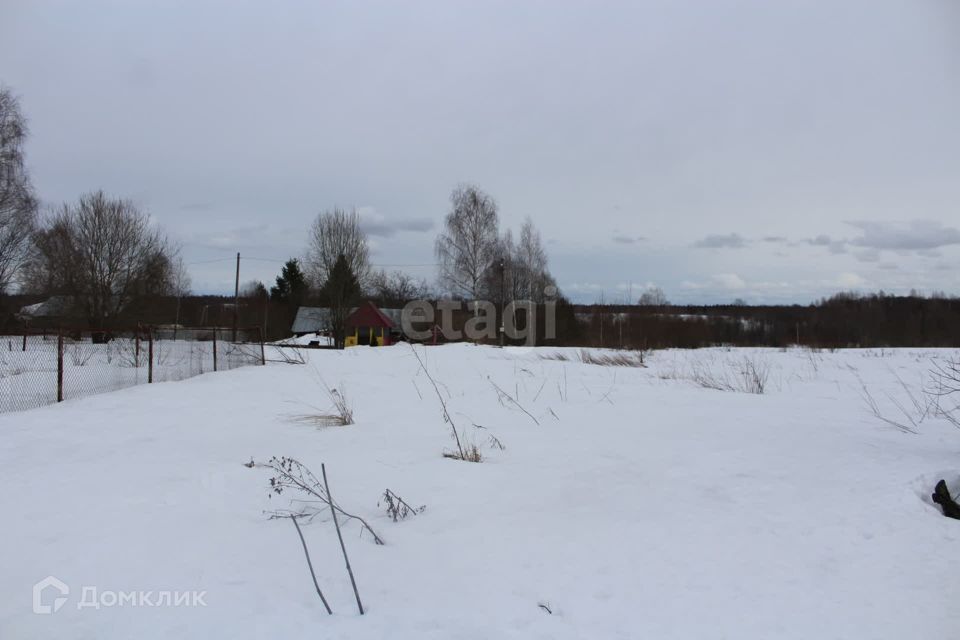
[[395, 315], [311, 320], [51, 307], [367, 315]]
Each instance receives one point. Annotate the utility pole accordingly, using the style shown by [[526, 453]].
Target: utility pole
[[601, 318], [502, 303], [236, 298], [266, 313], [176, 322]]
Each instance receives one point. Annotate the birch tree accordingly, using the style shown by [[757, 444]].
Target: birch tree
[[336, 233], [18, 205], [467, 247]]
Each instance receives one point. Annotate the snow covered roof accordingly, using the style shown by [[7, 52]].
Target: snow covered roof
[[311, 320], [51, 307]]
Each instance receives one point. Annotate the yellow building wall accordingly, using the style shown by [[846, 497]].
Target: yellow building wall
[[354, 339]]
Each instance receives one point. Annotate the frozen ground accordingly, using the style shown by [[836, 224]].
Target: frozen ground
[[641, 506]]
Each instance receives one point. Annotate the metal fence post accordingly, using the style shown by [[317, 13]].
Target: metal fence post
[[136, 357], [214, 348], [263, 355], [150, 355], [60, 365], [24, 338]]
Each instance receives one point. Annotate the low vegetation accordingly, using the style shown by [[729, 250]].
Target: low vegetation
[[339, 413], [745, 375], [619, 358]]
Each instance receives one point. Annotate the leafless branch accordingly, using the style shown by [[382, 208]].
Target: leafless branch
[[446, 413], [343, 547], [292, 474], [504, 395], [310, 565]]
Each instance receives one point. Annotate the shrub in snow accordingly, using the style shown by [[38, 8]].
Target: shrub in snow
[[468, 453], [291, 474], [944, 389], [748, 375], [340, 413], [397, 508]]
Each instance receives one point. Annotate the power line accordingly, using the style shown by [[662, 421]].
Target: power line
[[284, 260], [426, 264], [264, 259]]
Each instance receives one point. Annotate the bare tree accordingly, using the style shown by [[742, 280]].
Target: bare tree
[[334, 233], [180, 281], [341, 291], [18, 206], [104, 253], [653, 297], [520, 268], [254, 289], [530, 263], [468, 246], [397, 287], [502, 281]]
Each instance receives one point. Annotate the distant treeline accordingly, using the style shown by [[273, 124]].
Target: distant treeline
[[189, 311], [845, 320]]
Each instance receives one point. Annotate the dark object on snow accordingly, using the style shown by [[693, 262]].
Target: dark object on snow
[[941, 495]]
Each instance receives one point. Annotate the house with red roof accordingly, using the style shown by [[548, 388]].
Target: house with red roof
[[367, 325]]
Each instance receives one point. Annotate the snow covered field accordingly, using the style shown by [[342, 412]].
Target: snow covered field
[[629, 502]]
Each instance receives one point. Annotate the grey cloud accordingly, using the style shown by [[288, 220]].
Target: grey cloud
[[716, 241], [835, 246], [197, 206], [867, 255], [916, 235], [388, 229], [628, 239], [666, 156]]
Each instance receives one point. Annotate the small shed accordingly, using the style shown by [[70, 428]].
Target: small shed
[[311, 320], [51, 311], [367, 325]]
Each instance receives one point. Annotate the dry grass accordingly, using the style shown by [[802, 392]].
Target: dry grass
[[340, 413], [616, 359], [748, 375], [470, 453], [603, 358], [944, 388]]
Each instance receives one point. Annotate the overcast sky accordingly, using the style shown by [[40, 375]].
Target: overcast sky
[[767, 150]]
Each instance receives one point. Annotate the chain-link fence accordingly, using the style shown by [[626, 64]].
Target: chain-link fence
[[42, 367]]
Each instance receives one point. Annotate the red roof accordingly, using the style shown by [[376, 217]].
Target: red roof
[[367, 315]]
